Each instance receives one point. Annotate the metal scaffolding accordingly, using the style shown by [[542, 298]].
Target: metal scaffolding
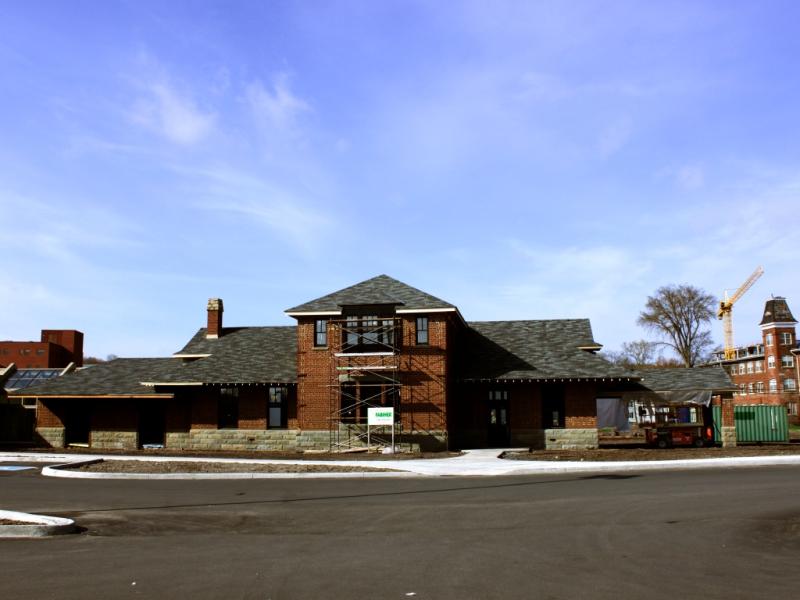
[[365, 372]]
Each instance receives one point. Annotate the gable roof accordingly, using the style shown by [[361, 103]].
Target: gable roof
[[119, 377], [378, 290], [534, 350], [239, 355]]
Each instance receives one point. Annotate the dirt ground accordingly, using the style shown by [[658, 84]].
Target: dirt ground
[[614, 454], [137, 466], [10, 522], [251, 454]]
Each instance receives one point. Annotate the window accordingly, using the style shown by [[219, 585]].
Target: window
[[750, 388], [320, 333], [40, 352], [759, 366], [369, 326], [786, 338], [351, 332], [228, 408], [741, 368], [770, 362], [768, 339], [787, 361], [422, 330], [773, 385], [742, 390], [276, 414], [759, 387], [791, 408], [386, 332], [750, 367], [789, 385]]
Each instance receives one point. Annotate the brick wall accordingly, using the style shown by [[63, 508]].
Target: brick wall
[[49, 413], [580, 406], [423, 375]]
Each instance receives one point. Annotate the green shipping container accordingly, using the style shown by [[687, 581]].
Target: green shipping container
[[755, 423]]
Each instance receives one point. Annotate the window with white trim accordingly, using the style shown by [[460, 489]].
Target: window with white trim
[[773, 385], [791, 408], [750, 367], [759, 387], [789, 385], [759, 366], [320, 333], [750, 388], [741, 368], [787, 361], [768, 339], [770, 362], [422, 331], [786, 338]]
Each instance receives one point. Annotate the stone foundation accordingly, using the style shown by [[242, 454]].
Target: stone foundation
[[533, 438], [52, 436], [354, 436], [115, 440], [728, 435], [570, 439]]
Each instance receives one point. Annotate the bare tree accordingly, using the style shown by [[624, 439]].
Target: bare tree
[[639, 353], [678, 313]]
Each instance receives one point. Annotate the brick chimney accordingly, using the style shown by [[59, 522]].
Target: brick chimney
[[214, 318]]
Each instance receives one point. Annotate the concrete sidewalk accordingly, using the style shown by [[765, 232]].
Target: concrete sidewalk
[[471, 463]]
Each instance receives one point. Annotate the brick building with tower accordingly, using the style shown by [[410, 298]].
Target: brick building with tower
[[381, 343], [767, 372]]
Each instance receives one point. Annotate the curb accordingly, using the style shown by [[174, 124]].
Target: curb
[[62, 470], [36, 525]]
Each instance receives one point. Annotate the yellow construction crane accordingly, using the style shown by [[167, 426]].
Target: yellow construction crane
[[726, 309]]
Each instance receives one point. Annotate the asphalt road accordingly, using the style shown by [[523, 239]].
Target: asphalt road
[[702, 534]]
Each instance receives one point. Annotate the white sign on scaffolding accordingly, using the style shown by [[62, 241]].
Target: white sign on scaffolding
[[380, 416]]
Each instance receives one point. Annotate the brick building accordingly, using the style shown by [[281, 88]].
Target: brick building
[[379, 343], [767, 372], [56, 349]]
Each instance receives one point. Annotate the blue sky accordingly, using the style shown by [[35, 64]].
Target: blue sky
[[519, 159]]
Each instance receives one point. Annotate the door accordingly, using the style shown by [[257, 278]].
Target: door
[[152, 424], [553, 413], [77, 424], [499, 433]]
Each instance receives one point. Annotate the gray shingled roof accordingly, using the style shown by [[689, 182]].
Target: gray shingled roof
[[122, 376], [240, 355], [378, 290], [534, 350], [671, 379]]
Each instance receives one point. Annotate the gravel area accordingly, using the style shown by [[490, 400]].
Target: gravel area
[[137, 466], [622, 454]]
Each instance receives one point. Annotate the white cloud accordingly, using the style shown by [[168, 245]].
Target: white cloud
[[275, 108], [172, 114], [286, 213]]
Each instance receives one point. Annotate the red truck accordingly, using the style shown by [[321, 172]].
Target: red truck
[[680, 434]]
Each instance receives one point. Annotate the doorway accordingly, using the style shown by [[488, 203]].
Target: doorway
[[553, 412], [152, 424], [499, 432], [77, 425]]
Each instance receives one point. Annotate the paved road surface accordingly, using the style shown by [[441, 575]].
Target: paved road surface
[[708, 534]]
